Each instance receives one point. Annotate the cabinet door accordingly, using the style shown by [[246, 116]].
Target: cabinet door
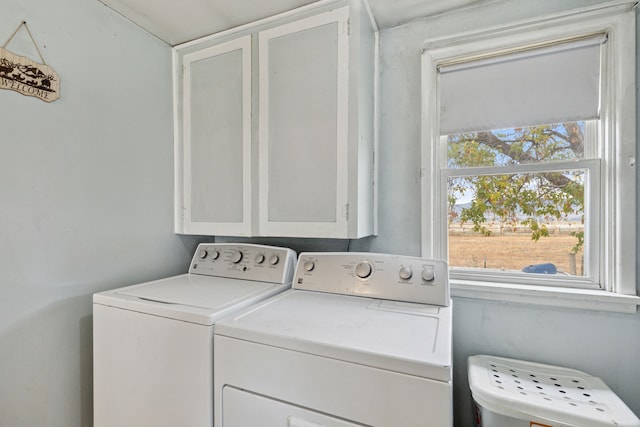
[[216, 162], [303, 127]]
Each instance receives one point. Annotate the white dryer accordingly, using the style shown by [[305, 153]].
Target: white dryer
[[153, 342], [362, 339]]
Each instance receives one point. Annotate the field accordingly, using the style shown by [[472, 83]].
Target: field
[[512, 251]]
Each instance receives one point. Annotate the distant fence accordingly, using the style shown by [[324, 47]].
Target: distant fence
[[498, 229]]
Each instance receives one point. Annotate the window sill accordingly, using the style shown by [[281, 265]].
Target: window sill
[[541, 295]]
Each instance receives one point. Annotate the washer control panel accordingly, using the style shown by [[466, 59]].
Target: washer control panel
[[392, 277], [244, 261]]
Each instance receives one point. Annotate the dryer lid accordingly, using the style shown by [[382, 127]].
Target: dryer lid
[[409, 338]]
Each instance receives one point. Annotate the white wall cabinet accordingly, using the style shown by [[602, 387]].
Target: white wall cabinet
[[295, 156]]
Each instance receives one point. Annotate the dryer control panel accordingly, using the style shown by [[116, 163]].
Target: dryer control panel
[[244, 261], [384, 276]]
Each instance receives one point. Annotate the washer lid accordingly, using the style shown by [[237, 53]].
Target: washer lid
[[190, 297], [404, 337]]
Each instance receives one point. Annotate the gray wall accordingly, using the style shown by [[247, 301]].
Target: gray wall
[[85, 199]]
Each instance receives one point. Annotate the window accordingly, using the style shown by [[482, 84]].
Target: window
[[529, 153]]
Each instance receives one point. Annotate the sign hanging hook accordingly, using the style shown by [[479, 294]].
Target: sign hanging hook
[[24, 24]]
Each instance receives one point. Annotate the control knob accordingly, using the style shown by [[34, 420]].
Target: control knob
[[309, 265], [203, 254], [259, 259], [405, 273], [274, 259], [363, 270], [428, 274], [236, 257], [214, 254]]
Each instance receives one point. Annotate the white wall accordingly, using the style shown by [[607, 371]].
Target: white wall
[[603, 344], [85, 199]]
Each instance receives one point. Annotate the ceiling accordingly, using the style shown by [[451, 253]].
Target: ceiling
[[176, 22]]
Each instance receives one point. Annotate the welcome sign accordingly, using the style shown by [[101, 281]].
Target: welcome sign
[[28, 77]]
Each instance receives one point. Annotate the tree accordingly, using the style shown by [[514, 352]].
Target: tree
[[527, 199]]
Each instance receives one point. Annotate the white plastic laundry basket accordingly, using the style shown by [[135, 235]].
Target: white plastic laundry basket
[[515, 393]]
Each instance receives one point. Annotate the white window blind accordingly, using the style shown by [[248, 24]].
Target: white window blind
[[553, 84]]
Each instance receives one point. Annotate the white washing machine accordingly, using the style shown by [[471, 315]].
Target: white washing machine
[[362, 339], [153, 342]]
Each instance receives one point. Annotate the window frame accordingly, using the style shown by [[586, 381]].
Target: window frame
[[617, 133]]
